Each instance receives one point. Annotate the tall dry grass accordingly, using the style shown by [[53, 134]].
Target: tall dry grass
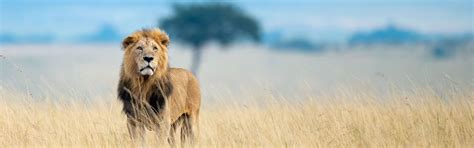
[[237, 111], [421, 118]]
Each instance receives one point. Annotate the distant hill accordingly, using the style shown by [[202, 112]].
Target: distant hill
[[6, 38], [387, 35], [106, 33], [278, 41]]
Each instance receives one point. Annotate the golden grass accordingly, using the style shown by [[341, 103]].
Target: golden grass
[[419, 118]]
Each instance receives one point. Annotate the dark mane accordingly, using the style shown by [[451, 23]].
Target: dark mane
[[155, 101]]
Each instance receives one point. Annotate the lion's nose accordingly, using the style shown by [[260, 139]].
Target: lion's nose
[[148, 59]]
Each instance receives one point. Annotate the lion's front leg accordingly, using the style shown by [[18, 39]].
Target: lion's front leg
[[172, 134], [164, 128], [189, 130], [137, 132]]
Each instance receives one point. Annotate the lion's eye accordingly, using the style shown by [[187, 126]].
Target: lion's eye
[[155, 48], [139, 48]]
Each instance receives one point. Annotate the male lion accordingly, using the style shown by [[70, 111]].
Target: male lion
[[155, 96]]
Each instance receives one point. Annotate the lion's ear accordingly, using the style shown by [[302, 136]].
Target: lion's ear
[[128, 41], [165, 40]]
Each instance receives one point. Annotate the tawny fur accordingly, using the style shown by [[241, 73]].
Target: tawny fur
[[163, 101]]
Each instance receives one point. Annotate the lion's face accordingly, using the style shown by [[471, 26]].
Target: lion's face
[[146, 52]]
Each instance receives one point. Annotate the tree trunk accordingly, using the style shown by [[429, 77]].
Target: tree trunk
[[197, 54]]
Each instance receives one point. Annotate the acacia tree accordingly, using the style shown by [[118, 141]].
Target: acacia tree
[[196, 24]]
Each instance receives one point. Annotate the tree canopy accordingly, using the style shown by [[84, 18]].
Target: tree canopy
[[197, 24]]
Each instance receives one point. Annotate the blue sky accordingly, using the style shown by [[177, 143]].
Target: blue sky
[[322, 20]]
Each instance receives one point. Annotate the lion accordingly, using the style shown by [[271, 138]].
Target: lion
[[154, 95]]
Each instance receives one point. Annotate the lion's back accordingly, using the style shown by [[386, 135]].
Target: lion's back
[[185, 88]]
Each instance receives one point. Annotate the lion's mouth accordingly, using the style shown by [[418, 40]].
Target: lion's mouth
[[147, 70], [147, 67]]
